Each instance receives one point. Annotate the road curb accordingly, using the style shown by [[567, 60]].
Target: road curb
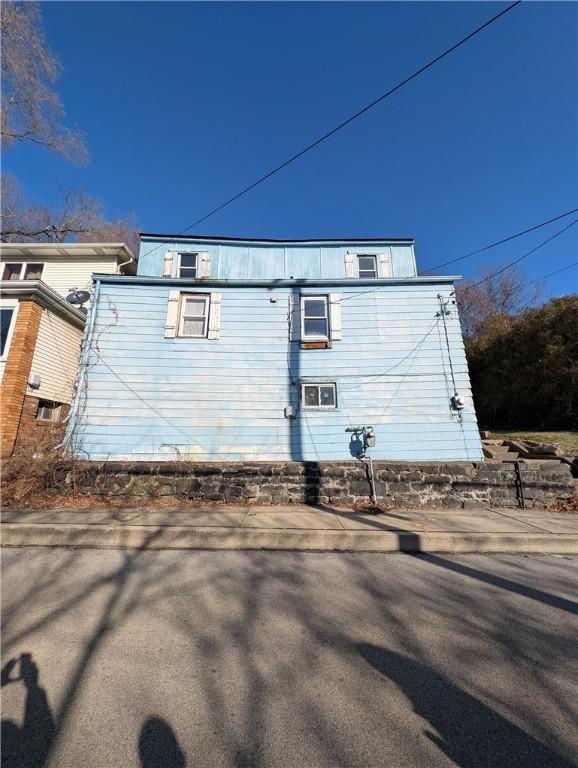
[[207, 538]]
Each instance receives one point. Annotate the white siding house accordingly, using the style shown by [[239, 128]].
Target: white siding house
[[64, 266], [41, 332]]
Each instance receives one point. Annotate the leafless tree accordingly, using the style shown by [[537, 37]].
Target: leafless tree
[[31, 110], [79, 217], [488, 300]]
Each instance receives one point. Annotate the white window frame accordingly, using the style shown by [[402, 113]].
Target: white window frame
[[319, 384], [206, 297], [55, 407], [13, 305], [315, 336], [196, 254], [375, 269], [23, 267]]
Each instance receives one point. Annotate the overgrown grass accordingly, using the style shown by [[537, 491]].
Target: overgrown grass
[[566, 440]]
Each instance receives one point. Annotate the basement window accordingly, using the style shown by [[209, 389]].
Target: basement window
[[314, 318], [322, 396], [367, 266], [48, 410], [188, 264], [194, 315]]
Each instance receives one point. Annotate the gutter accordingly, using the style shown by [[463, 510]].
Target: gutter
[[272, 284], [42, 294]]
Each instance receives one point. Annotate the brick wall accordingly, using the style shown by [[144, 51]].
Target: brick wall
[[16, 373], [34, 432]]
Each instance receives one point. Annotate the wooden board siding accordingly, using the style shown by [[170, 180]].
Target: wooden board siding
[[254, 260], [148, 397], [55, 358]]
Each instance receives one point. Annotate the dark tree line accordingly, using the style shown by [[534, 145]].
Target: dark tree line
[[523, 360]]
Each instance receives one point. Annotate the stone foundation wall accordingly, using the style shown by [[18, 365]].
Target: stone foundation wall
[[459, 485]]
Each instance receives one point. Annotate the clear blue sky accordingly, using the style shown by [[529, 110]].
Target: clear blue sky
[[183, 104]]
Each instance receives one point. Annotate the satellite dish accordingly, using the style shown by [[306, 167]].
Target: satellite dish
[[77, 297]]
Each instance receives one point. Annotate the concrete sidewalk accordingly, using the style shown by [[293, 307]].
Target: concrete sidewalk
[[296, 527]]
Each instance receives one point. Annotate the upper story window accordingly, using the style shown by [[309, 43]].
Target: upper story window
[[188, 264], [314, 318], [22, 271], [194, 315], [367, 266]]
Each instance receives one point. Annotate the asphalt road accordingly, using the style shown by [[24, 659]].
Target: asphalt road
[[201, 659]]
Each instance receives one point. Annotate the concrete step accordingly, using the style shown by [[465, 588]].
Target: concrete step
[[151, 537], [499, 452]]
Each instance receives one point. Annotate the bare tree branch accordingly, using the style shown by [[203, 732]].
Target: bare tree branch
[[31, 110], [495, 300], [79, 217]]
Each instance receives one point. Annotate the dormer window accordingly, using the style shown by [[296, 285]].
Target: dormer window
[[188, 264], [367, 266]]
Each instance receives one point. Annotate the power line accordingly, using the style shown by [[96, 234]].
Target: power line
[[551, 274], [521, 258], [500, 242], [529, 253], [350, 119]]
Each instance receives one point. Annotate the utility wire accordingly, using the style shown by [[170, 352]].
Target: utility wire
[[350, 119], [521, 258], [500, 242], [529, 253], [551, 274]]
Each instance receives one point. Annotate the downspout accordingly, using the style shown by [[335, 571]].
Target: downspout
[[123, 264], [86, 344]]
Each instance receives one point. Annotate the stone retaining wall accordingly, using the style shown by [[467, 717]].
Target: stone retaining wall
[[459, 485]]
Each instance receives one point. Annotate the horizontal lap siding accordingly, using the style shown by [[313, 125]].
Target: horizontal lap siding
[[55, 358], [66, 273], [147, 397]]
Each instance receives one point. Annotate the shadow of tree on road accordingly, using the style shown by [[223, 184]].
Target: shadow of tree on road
[[258, 633], [471, 734]]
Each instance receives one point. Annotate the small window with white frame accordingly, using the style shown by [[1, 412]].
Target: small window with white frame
[[322, 396], [314, 318], [194, 315], [188, 265], [367, 265], [48, 410], [22, 271]]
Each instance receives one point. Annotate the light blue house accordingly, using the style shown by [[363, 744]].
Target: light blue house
[[224, 349]]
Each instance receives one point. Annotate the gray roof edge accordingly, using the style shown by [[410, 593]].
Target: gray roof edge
[[38, 291], [276, 241], [272, 284]]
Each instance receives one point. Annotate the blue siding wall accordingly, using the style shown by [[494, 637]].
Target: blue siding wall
[[147, 397], [253, 260]]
